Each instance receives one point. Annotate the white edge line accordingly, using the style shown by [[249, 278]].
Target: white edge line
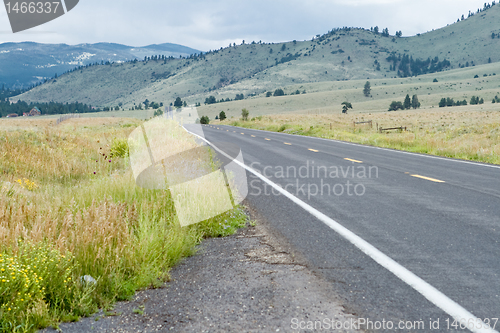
[[425, 289], [380, 148]]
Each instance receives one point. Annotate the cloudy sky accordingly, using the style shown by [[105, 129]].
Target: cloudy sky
[[210, 24]]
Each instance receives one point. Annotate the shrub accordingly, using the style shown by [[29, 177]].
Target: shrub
[[119, 148], [279, 92], [36, 282], [244, 114], [396, 106], [204, 120]]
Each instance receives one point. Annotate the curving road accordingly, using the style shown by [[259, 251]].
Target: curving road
[[403, 238]]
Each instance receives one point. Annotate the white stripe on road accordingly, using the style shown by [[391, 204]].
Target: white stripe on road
[[425, 289]]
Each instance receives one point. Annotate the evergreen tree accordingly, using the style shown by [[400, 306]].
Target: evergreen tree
[[367, 89], [279, 92], [178, 102], [204, 120], [407, 102], [346, 106], [210, 100], [222, 115], [414, 102], [396, 106]]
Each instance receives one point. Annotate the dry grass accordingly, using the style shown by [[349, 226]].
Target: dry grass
[[458, 132], [61, 188]]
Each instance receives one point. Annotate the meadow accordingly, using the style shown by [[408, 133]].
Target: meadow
[[76, 233], [463, 132]]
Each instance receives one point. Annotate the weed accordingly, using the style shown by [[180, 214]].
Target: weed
[[59, 221]]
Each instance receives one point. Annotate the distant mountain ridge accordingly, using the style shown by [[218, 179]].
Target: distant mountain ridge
[[257, 68], [27, 63]]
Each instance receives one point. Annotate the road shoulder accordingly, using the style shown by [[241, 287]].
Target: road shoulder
[[247, 282]]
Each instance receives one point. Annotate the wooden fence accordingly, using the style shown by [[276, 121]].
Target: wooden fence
[[66, 117]]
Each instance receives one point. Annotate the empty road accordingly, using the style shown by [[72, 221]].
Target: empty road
[[401, 237]]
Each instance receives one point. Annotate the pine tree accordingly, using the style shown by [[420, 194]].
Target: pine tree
[[178, 102], [367, 89], [414, 102], [346, 106], [407, 102], [222, 115]]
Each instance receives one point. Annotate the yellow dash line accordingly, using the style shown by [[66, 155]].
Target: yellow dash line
[[287, 143], [253, 136], [242, 133], [427, 178], [268, 139], [314, 150], [355, 161]]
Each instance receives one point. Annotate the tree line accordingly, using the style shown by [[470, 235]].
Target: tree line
[[475, 100], [21, 107], [406, 66], [406, 104]]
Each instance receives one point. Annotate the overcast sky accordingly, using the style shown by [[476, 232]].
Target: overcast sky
[[210, 24]]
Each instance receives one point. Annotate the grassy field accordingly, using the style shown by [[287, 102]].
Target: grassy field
[[137, 114], [465, 132], [70, 208], [326, 97]]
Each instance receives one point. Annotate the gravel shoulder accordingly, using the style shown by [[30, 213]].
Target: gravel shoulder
[[249, 282]]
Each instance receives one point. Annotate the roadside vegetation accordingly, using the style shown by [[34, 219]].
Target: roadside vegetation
[[76, 233], [463, 134]]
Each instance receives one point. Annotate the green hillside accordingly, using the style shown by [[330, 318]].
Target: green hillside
[[320, 65]]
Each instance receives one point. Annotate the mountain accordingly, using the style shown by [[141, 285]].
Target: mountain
[[25, 64], [252, 69]]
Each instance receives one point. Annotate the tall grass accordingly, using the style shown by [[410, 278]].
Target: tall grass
[[82, 208]]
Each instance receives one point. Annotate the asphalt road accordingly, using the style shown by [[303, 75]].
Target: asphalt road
[[438, 218]]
